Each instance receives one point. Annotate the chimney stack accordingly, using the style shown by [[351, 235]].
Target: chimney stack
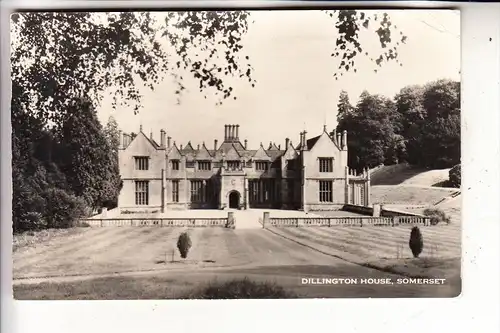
[[151, 135], [339, 141], [333, 135], [237, 132], [198, 148], [120, 142], [225, 133], [215, 145], [287, 143], [279, 147], [246, 143], [162, 138], [270, 145], [168, 142], [233, 132], [344, 140]]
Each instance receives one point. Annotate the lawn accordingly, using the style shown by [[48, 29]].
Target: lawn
[[81, 263], [122, 249], [408, 194], [175, 285]]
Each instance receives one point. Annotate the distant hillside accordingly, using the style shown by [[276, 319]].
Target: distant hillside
[[404, 174]]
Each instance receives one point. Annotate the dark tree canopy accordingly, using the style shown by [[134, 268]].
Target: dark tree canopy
[[372, 136], [421, 126]]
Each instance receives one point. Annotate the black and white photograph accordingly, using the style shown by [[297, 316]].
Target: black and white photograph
[[236, 154]]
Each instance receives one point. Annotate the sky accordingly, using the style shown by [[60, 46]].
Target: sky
[[290, 53]]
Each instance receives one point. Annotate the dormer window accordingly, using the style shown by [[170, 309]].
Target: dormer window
[[261, 166], [175, 164], [204, 165], [141, 162], [233, 165]]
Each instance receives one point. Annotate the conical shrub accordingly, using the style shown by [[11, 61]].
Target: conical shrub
[[184, 244], [416, 242]]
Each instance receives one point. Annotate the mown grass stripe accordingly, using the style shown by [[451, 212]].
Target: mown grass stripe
[[59, 252]]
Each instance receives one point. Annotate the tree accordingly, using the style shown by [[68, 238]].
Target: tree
[[58, 56], [372, 138], [184, 244], [86, 156], [113, 184], [430, 117], [409, 105], [344, 107], [455, 176], [416, 242]]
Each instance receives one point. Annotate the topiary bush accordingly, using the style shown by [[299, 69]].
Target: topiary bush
[[437, 215], [240, 289], [416, 242], [455, 176], [184, 244]]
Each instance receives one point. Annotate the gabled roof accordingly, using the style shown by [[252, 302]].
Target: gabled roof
[[203, 153], [226, 146], [174, 152], [152, 142], [290, 152], [272, 146], [232, 154], [312, 141], [274, 154], [261, 154], [188, 147]]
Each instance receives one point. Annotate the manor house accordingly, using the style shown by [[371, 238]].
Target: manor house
[[312, 175]]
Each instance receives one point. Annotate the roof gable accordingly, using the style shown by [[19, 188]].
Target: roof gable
[[174, 153], [324, 141], [141, 144], [261, 154], [232, 154], [290, 152], [203, 153], [188, 147]]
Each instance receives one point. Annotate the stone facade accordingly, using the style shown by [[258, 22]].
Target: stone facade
[[312, 175]]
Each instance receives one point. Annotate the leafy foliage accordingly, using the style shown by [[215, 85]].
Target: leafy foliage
[[455, 176], [431, 123], [416, 242], [437, 215], [372, 138], [184, 244], [241, 289], [344, 107], [63, 208], [60, 56], [421, 126], [348, 48]]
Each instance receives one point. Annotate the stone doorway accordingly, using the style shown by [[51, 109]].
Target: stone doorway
[[234, 200]]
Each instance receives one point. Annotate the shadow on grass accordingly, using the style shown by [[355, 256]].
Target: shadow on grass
[[186, 262], [258, 282]]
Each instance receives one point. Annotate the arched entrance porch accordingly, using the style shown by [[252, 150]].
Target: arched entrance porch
[[234, 199]]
